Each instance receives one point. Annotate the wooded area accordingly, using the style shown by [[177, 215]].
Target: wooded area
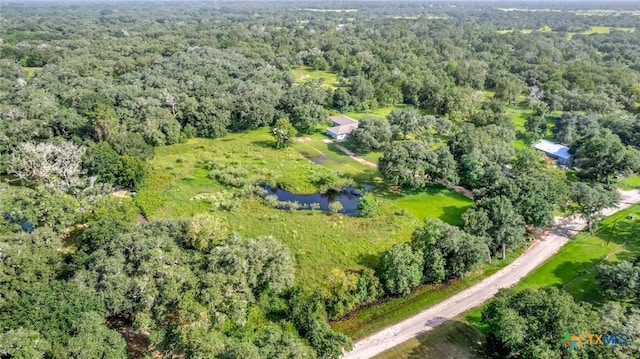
[[100, 99]]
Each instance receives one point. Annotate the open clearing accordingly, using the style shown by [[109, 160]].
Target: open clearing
[[435, 201], [380, 112], [319, 241], [592, 30], [306, 73], [519, 116]]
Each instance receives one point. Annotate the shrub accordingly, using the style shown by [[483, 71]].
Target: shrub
[[367, 206], [335, 207]]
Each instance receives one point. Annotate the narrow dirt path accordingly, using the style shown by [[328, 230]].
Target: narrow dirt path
[[356, 157], [535, 255]]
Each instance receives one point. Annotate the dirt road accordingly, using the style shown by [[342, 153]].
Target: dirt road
[[472, 297]]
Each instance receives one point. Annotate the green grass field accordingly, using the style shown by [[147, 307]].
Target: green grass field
[[632, 182], [592, 30], [380, 112], [435, 201], [519, 115], [607, 29], [306, 73], [319, 241], [573, 268], [453, 339], [371, 156]]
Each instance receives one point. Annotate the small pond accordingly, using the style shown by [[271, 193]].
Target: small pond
[[348, 197]]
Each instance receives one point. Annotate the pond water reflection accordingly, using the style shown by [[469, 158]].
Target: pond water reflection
[[348, 197]]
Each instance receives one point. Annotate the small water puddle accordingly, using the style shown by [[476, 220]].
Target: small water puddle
[[348, 197]]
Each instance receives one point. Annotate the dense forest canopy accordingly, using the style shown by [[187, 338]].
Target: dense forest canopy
[[90, 91]]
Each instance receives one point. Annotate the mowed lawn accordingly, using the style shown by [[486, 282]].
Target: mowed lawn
[[318, 240], [573, 268], [630, 182], [434, 201], [454, 339]]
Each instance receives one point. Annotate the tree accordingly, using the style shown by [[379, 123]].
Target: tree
[[535, 95], [447, 251], [102, 161], [38, 207], [94, 340], [536, 125], [133, 172], [495, 218], [33, 310], [529, 323], [627, 127], [572, 126], [590, 200], [306, 117], [335, 207], [344, 291], [362, 92], [132, 144], [404, 120], [308, 315], [23, 344], [48, 163], [400, 269], [535, 197], [621, 280], [404, 163], [508, 88], [527, 161], [367, 206], [255, 104], [413, 164], [446, 170], [342, 100], [103, 121], [372, 134], [620, 318], [205, 230], [602, 155], [303, 103], [283, 133]]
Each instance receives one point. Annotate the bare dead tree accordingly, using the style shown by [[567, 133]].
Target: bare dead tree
[[59, 167]]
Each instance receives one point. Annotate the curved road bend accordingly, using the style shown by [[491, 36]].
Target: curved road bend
[[474, 296]]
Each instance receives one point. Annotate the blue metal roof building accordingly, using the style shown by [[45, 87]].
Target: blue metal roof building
[[555, 151]]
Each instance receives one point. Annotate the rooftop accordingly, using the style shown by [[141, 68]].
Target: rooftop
[[553, 149], [343, 120], [343, 129]]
